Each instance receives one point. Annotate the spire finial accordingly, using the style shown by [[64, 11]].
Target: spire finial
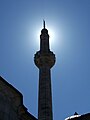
[[44, 24]]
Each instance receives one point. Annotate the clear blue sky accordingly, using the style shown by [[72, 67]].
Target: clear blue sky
[[19, 21]]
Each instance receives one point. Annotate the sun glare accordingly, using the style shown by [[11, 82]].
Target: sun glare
[[51, 35]]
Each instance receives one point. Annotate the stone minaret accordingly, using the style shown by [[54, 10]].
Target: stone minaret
[[44, 60]]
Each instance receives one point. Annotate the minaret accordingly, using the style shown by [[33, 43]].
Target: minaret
[[44, 60]]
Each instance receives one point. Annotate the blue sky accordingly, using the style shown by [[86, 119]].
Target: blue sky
[[69, 19]]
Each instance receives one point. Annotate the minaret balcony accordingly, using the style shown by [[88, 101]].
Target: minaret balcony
[[44, 59]]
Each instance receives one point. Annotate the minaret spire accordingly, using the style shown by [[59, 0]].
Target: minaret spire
[[44, 24], [44, 60]]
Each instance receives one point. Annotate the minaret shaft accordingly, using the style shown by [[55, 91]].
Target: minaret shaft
[[45, 96]]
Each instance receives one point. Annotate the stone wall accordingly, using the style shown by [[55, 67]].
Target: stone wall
[[11, 103], [7, 111]]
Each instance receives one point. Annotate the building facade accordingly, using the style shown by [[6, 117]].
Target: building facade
[[11, 103], [79, 117]]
